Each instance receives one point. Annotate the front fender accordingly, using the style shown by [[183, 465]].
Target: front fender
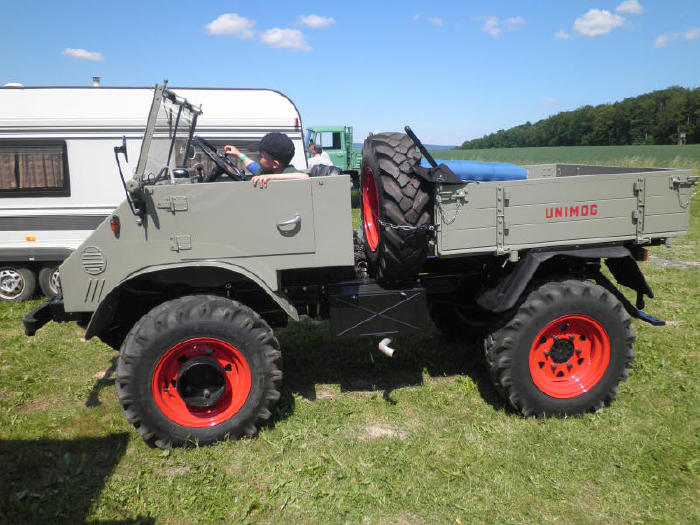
[[104, 314]]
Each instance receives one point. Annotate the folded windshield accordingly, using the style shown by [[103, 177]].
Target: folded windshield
[[168, 136]]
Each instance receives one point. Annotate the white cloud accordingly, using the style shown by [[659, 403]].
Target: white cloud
[[82, 54], [416, 17], [316, 21], [662, 40], [232, 24], [561, 35], [285, 38], [666, 38], [597, 22], [494, 26], [630, 7], [692, 34], [435, 20], [549, 100]]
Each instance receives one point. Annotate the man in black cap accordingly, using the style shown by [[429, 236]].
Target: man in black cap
[[276, 153]]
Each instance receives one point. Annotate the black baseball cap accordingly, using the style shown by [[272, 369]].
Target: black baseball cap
[[279, 146]]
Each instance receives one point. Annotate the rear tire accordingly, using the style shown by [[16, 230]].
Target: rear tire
[[196, 370], [393, 195], [49, 281], [17, 283], [564, 351]]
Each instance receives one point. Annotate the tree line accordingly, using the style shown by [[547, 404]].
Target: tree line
[[659, 117]]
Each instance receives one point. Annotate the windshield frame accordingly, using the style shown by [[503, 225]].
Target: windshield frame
[[160, 93]]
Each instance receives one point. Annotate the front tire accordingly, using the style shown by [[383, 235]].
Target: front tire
[[564, 352], [198, 369]]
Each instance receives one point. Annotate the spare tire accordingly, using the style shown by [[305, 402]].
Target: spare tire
[[396, 207]]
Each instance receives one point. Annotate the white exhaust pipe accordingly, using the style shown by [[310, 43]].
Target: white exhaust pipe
[[384, 347]]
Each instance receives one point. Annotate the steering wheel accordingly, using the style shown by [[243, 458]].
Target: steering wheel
[[222, 163]]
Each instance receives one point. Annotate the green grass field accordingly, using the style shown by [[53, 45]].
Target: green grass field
[[421, 438], [687, 156]]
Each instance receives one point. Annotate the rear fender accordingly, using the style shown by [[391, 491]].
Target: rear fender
[[619, 260], [108, 308]]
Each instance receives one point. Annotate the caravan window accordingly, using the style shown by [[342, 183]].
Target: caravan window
[[33, 168]]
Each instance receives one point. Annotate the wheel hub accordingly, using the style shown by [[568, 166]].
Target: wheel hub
[[561, 351], [55, 281], [10, 282], [201, 382], [569, 356]]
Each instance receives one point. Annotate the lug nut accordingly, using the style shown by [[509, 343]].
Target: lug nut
[[554, 367]]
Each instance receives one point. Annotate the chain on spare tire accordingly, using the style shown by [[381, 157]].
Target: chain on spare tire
[[396, 207]]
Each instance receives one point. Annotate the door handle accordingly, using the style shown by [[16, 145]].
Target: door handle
[[295, 220], [290, 227]]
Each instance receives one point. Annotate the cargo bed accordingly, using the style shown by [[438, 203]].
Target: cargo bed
[[562, 205]]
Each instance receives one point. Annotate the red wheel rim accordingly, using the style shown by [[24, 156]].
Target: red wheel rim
[[236, 382], [569, 356], [370, 209]]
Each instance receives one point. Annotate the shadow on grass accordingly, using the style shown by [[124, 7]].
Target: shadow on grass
[[56, 481], [312, 357], [106, 380]]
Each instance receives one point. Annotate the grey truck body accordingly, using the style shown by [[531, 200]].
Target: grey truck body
[[225, 237], [237, 227]]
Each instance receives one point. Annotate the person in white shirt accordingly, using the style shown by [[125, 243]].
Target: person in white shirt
[[319, 156]]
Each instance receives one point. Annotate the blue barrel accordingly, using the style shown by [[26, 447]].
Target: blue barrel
[[474, 170]]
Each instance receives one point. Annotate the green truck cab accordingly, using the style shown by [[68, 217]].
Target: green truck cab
[[337, 141]]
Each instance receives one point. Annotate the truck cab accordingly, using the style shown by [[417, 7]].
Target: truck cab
[[337, 141]]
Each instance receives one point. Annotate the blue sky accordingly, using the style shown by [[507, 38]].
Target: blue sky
[[453, 70]]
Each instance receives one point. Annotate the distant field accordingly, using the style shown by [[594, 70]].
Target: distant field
[[687, 156]]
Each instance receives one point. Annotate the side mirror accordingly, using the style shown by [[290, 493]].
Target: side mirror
[[122, 149], [191, 152]]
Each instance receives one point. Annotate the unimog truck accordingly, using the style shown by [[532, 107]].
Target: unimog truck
[[188, 279]]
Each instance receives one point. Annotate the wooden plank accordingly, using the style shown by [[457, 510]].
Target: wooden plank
[[568, 231], [665, 223], [570, 212]]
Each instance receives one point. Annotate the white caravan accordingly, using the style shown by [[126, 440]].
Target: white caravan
[[58, 174]]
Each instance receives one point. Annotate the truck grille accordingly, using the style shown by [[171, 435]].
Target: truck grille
[[93, 261], [94, 290]]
